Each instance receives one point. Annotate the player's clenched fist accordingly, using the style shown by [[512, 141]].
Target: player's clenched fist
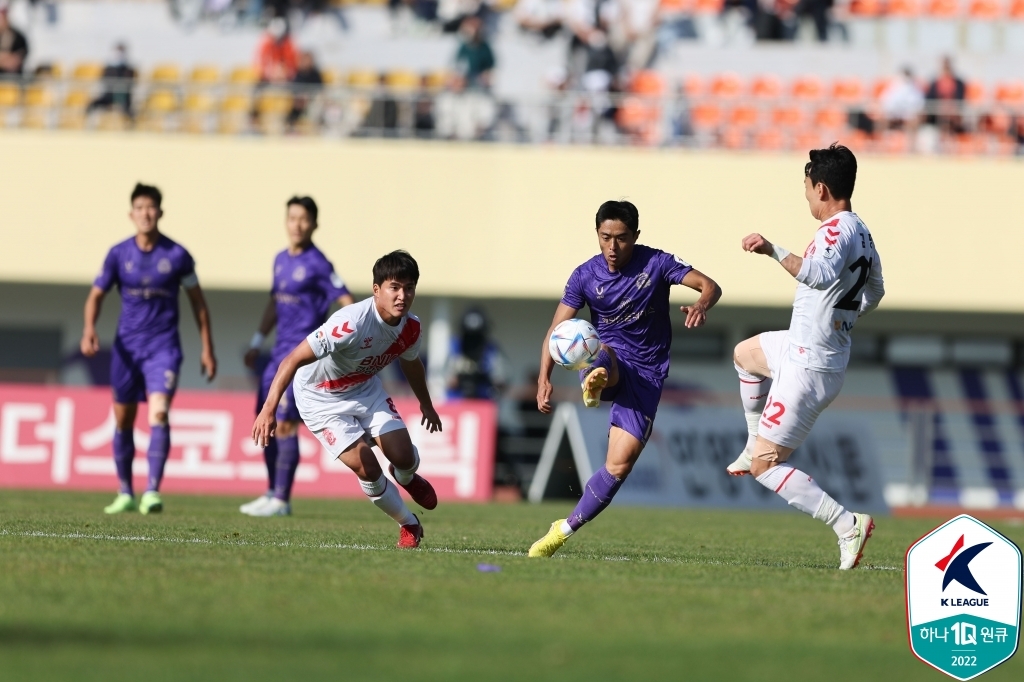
[[755, 243]]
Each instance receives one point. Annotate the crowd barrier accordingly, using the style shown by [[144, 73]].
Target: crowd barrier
[[60, 438]]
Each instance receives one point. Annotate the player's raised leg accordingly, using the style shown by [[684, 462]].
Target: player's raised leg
[[404, 460], [755, 383], [601, 374]]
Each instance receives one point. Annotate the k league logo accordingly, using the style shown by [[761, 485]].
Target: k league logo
[[963, 598]]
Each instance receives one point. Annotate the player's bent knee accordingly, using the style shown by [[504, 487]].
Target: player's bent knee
[[619, 470], [287, 429], [749, 357], [767, 455], [361, 460]]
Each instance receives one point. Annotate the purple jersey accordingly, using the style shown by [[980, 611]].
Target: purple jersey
[[148, 283], [630, 307], [305, 285]]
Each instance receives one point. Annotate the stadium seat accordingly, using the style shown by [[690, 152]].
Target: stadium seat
[[705, 116], [770, 140], [734, 138], [975, 92], [362, 79], [436, 80], [904, 9], [330, 76], [894, 142], [942, 9], [161, 102], [807, 88], [10, 95], [199, 102], [744, 117], [726, 86], [204, 75], [1010, 94], [76, 99], [808, 139], [969, 144], [1016, 10], [38, 96], [692, 85], [165, 74], [649, 83], [274, 103], [879, 87], [234, 103], [848, 90], [830, 119], [984, 10], [402, 80], [866, 8], [87, 71], [766, 87], [787, 117], [708, 6], [243, 75]]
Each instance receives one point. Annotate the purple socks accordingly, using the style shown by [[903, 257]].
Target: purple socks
[[287, 463], [602, 360], [159, 446], [598, 494], [270, 459], [124, 454]]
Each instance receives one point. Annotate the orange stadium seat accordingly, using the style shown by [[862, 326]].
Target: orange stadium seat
[[788, 117], [734, 138], [829, 119], [726, 85], [975, 92], [692, 85], [809, 139], [708, 6], [705, 116], [204, 74], [165, 73], [766, 87], [87, 71], [984, 10], [847, 90], [807, 88], [770, 140], [1016, 10], [243, 75], [648, 83], [903, 8], [1010, 94], [866, 8], [969, 144], [675, 6], [942, 9], [895, 142], [879, 87], [744, 117]]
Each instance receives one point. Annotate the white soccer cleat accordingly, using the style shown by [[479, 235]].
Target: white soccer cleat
[[250, 507], [740, 467], [273, 507], [851, 545]]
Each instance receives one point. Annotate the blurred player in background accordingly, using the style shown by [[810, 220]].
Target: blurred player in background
[[342, 401], [147, 270], [627, 289], [304, 287], [787, 378]]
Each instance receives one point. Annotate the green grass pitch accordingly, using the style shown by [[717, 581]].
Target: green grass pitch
[[201, 592]]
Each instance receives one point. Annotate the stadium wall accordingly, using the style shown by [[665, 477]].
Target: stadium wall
[[496, 221]]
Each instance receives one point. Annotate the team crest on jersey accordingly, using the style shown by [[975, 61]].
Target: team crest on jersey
[[164, 266], [829, 252], [299, 273], [329, 437], [367, 342], [643, 280], [129, 266]]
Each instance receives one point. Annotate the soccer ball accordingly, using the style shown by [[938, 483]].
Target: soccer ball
[[574, 344]]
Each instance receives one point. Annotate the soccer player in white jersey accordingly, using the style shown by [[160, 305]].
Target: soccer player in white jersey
[[333, 373], [787, 378]]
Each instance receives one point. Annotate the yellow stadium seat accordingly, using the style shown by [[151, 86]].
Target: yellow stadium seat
[[38, 96], [331, 76], [243, 75], [363, 79], [199, 102], [402, 80], [274, 103], [235, 103], [205, 74], [161, 102], [76, 99], [165, 73], [87, 71], [10, 95], [437, 80]]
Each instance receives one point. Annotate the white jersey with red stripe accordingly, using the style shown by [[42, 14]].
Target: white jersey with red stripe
[[840, 280], [351, 348]]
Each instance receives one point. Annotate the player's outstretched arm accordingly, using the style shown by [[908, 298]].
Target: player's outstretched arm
[[710, 292], [266, 422], [562, 313], [90, 344], [755, 243], [202, 314], [417, 376], [267, 323]]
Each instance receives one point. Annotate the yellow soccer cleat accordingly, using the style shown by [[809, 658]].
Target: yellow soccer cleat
[[593, 385], [551, 542]]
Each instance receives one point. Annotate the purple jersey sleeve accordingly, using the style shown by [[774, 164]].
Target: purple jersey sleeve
[[330, 283], [573, 295], [673, 268], [187, 271], [108, 274]]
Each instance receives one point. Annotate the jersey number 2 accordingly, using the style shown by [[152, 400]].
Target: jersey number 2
[[774, 418], [850, 300]]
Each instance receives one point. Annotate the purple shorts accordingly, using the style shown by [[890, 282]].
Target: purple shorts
[[134, 375], [634, 402], [286, 409]]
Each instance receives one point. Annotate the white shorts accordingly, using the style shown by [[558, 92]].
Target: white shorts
[[797, 395], [340, 423]]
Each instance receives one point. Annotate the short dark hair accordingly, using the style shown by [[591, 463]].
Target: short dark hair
[[306, 203], [398, 266], [622, 211], [147, 191], [835, 167]]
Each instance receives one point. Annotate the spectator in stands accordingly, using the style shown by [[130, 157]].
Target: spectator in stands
[[463, 113], [945, 98], [540, 17], [592, 23], [276, 56], [476, 368], [818, 10], [13, 48], [902, 102], [118, 80], [475, 58], [308, 82], [451, 14]]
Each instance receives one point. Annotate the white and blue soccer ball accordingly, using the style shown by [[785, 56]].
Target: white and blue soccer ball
[[574, 344]]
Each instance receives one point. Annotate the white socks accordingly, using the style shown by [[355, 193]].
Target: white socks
[[800, 491], [404, 476], [387, 498], [566, 529], [754, 394]]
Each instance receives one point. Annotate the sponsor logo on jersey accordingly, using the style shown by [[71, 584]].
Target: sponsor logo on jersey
[[367, 342], [321, 339], [599, 291], [164, 266], [345, 329], [299, 273], [129, 266], [840, 325]]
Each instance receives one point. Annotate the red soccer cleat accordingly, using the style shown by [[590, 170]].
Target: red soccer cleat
[[409, 536], [419, 488]]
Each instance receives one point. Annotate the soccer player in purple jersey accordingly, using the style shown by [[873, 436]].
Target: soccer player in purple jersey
[[627, 289], [304, 287], [147, 270]]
